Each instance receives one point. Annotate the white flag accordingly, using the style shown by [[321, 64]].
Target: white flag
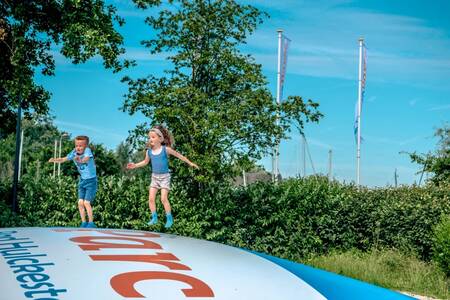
[[363, 89], [284, 53]]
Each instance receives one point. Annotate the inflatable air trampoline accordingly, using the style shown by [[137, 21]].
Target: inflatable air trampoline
[[95, 264]]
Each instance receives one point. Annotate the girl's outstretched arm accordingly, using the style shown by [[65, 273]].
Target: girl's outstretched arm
[[145, 162], [170, 151]]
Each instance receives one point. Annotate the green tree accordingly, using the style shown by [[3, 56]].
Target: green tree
[[29, 30], [124, 154], [214, 99], [39, 146], [437, 162], [105, 161]]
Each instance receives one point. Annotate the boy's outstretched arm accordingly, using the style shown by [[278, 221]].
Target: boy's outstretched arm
[[58, 160], [178, 155], [145, 162]]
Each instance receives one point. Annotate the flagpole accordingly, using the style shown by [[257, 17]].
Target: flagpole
[[304, 154], [358, 139], [15, 205], [277, 147], [330, 172]]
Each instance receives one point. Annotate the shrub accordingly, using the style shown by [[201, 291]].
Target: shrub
[[441, 246], [294, 219]]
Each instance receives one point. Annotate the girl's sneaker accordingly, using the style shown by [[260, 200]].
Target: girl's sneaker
[[91, 225], [153, 220], [83, 224], [169, 221]]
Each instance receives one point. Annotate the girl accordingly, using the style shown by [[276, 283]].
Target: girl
[[160, 142]]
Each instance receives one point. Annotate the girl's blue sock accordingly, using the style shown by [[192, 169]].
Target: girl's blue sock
[[169, 220], [154, 219]]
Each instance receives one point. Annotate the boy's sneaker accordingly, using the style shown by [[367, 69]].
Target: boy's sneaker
[[169, 221], [153, 220], [91, 225], [83, 224]]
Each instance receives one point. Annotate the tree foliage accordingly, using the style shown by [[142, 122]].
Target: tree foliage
[[38, 147], [213, 98], [30, 31], [39, 140], [441, 245], [437, 162]]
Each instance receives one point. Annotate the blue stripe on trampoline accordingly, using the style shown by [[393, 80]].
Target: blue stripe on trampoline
[[333, 286]]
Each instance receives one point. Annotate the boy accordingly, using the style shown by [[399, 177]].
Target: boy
[[87, 186]]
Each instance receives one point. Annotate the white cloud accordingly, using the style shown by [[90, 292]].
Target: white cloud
[[395, 141], [441, 107], [413, 102], [76, 128], [314, 142], [126, 8], [372, 99], [325, 43], [143, 54]]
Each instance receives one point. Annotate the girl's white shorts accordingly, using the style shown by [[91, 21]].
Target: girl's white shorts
[[160, 181]]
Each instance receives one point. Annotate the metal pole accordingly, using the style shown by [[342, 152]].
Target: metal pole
[[329, 165], [310, 158], [59, 156], [244, 178], [423, 170], [297, 154], [20, 154], [54, 156], [16, 161], [395, 177], [304, 155], [277, 148], [358, 139], [273, 165]]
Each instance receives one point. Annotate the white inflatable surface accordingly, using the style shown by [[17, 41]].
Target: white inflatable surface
[[93, 264]]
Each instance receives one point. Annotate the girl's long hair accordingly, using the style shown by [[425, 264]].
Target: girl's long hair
[[168, 139]]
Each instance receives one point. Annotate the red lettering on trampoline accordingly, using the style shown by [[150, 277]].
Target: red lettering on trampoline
[[123, 283]]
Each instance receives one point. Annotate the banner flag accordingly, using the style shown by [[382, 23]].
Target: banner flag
[[363, 89], [284, 54]]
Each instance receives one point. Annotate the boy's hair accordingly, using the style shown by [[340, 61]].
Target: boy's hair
[[82, 138]]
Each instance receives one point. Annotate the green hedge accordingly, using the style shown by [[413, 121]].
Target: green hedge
[[294, 219], [441, 246]]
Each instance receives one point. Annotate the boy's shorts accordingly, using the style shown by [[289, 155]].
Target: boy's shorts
[[87, 188], [160, 181]]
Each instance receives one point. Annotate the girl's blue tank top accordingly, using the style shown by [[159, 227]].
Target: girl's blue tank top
[[159, 162]]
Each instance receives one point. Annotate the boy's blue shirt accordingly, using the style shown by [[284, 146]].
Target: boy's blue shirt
[[87, 170]]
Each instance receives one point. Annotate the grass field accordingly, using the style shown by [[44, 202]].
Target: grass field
[[390, 269]]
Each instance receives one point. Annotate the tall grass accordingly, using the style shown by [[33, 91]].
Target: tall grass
[[388, 268]]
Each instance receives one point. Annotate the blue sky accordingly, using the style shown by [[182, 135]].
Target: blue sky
[[407, 92]]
